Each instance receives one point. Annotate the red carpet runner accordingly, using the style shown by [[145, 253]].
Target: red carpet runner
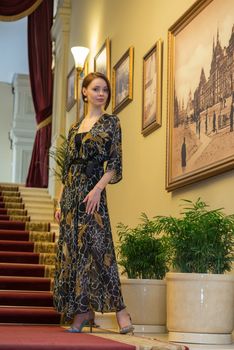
[[27, 253], [51, 338]]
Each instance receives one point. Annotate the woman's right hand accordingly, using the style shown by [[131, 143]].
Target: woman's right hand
[[57, 215]]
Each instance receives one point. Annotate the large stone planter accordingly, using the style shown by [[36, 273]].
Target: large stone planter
[[146, 302], [200, 308]]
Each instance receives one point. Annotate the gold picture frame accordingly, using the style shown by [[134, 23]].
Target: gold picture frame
[[152, 89], [200, 94], [71, 89], [102, 60], [122, 81]]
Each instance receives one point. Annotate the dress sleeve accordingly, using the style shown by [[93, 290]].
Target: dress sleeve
[[114, 161]]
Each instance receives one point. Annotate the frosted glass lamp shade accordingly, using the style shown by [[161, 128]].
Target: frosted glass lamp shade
[[80, 54]]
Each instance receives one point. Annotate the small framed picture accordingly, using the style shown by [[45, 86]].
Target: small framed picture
[[102, 59], [122, 76], [152, 89], [71, 89]]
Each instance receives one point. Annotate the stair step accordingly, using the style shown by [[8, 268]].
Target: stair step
[[12, 205], [19, 298], [12, 225], [22, 218], [38, 205], [12, 184], [25, 283], [10, 199], [33, 270], [34, 225], [15, 246], [19, 257], [54, 227], [29, 315], [42, 218], [41, 211], [37, 200], [23, 189], [9, 193], [27, 258], [18, 212], [38, 194], [14, 235]]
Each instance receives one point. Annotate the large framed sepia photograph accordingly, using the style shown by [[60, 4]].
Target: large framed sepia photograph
[[152, 89], [102, 61], [71, 89], [200, 139], [122, 80]]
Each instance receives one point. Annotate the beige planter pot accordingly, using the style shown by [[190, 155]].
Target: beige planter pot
[[146, 302], [200, 308]]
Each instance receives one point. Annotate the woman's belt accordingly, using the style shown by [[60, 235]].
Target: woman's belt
[[89, 165]]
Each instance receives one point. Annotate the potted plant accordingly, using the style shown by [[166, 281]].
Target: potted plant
[[58, 155], [142, 254], [200, 295]]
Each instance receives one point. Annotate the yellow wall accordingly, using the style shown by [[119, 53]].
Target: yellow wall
[[140, 23]]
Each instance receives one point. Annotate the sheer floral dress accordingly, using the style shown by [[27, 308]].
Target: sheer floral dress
[[86, 275]]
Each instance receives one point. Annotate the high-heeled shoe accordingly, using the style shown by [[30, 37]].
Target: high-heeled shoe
[[92, 319], [127, 329], [83, 324]]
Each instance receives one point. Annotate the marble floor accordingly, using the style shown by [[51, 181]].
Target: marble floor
[[164, 337], [108, 322]]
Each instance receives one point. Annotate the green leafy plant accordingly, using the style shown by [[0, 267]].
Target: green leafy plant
[[58, 154], [201, 240], [142, 252]]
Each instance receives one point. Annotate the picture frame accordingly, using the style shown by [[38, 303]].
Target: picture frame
[[122, 81], [71, 89], [102, 60], [200, 94], [152, 89], [82, 110]]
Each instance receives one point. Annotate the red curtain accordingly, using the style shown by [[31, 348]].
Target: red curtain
[[17, 8], [40, 60]]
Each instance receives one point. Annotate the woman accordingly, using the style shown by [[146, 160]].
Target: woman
[[86, 277]]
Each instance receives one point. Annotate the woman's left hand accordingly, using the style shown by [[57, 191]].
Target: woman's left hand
[[92, 200]]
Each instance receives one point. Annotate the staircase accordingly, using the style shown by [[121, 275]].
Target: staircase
[[27, 256], [28, 236]]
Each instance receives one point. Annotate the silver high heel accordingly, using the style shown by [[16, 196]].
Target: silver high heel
[[92, 319], [86, 321], [82, 325], [127, 329]]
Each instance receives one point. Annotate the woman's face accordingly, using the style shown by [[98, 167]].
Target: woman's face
[[97, 92]]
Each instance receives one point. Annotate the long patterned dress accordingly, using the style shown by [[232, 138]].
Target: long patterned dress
[[86, 275]]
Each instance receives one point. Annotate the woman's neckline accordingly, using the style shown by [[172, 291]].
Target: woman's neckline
[[85, 132]]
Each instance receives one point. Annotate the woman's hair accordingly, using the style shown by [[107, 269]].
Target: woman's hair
[[89, 78]]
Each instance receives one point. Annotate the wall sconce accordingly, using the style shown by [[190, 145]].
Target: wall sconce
[[80, 54]]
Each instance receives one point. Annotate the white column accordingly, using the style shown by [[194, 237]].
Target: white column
[[23, 127]]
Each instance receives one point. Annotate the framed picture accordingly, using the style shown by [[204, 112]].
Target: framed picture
[[103, 58], [82, 106], [71, 89], [122, 75], [200, 140], [152, 87]]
